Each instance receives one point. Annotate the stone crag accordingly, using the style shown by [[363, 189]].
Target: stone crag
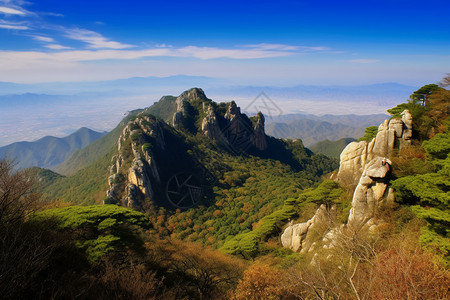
[[301, 237], [143, 173], [366, 167], [392, 134]]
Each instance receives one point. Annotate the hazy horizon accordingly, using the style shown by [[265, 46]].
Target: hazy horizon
[[103, 58]]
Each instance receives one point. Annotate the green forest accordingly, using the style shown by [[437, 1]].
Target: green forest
[[59, 241]]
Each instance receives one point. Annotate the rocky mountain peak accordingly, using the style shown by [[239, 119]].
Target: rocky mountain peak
[[148, 142], [191, 95], [232, 111]]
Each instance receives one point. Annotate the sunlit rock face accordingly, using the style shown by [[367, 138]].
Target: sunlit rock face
[[143, 173], [366, 167], [301, 237], [392, 134]]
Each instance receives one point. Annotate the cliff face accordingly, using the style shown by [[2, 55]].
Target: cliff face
[[365, 165], [368, 165], [392, 134], [231, 129], [301, 237], [134, 172]]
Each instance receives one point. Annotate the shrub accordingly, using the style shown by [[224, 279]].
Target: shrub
[[100, 228]]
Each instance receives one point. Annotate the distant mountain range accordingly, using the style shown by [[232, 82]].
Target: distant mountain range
[[58, 108], [49, 152], [384, 92], [127, 86], [312, 129], [331, 148], [381, 93]]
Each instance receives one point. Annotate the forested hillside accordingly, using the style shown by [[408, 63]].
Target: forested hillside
[[331, 148], [190, 213]]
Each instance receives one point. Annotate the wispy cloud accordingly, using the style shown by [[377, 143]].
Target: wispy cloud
[[43, 39], [56, 47], [282, 47], [11, 11], [363, 61], [14, 27], [19, 58], [14, 7], [94, 40]]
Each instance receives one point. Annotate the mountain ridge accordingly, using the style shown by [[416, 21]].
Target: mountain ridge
[[49, 151]]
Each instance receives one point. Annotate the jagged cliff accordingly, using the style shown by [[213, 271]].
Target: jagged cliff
[[366, 167], [232, 129], [134, 173], [392, 134], [150, 152]]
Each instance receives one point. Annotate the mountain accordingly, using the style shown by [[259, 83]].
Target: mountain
[[387, 93], [49, 152], [331, 148], [352, 120], [128, 86], [207, 176], [190, 158], [101, 105], [313, 129], [164, 108]]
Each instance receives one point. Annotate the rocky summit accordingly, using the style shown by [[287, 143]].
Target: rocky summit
[[147, 142]]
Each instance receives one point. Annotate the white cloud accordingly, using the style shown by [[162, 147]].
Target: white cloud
[[8, 58], [363, 61], [43, 39], [64, 64], [11, 11], [51, 14], [15, 27], [94, 40], [282, 47], [56, 47]]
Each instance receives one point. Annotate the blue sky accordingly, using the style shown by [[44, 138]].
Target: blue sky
[[242, 42]]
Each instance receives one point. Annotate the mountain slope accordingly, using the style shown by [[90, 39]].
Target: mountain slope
[[331, 148], [312, 129], [93, 152], [349, 120], [211, 174], [49, 151], [164, 109]]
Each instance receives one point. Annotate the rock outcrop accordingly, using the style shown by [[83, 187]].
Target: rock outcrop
[[301, 237], [143, 174], [392, 134], [231, 129], [210, 125], [366, 166], [371, 192], [184, 101], [243, 133], [260, 135]]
